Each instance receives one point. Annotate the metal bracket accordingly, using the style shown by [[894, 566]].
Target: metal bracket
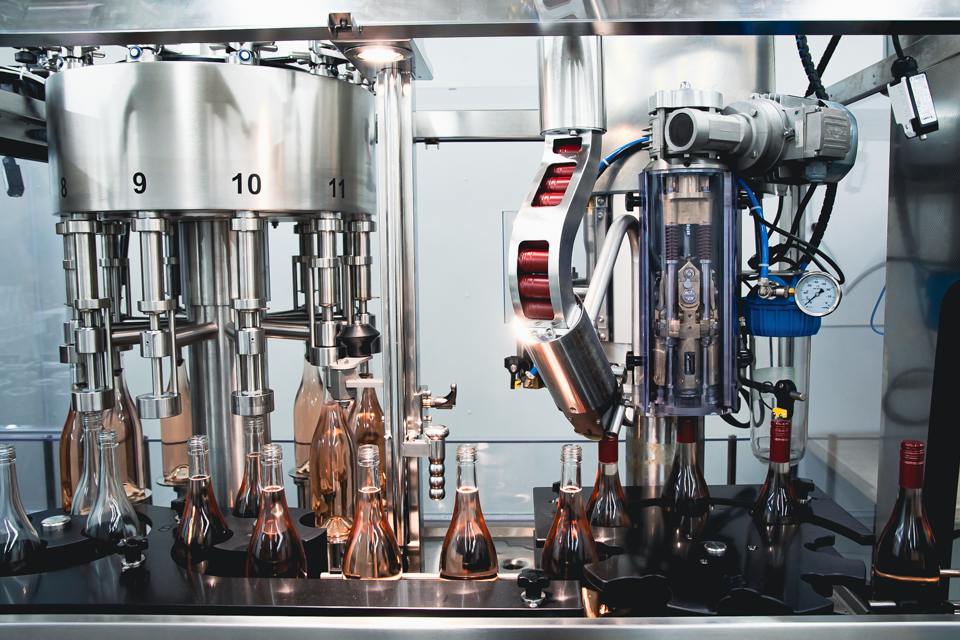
[[337, 22]]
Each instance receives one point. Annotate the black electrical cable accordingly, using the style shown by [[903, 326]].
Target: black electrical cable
[[776, 219], [898, 48], [807, 60], [824, 61], [829, 199], [803, 243]]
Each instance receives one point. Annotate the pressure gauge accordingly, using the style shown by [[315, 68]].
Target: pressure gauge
[[817, 294]]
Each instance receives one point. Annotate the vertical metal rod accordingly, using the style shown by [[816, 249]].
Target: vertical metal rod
[[398, 238], [49, 472], [731, 459]]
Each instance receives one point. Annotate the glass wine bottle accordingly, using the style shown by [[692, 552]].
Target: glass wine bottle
[[607, 506], [468, 551], [570, 544], [202, 524], [275, 549], [247, 504], [306, 414], [174, 433], [369, 426], [112, 517], [85, 494], [71, 457], [905, 565], [333, 472], [777, 504], [122, 417], [18, 538], [372, 551], [685, 492]]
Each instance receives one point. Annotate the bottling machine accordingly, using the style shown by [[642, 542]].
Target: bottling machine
[[194, 157]]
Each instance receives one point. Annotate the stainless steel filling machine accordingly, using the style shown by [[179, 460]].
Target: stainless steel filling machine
[[197, 155]]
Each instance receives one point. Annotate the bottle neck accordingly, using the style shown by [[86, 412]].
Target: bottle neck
[[253, 435], [271, 474], [570, 476], [369, 477], [92, 425], [466, 476], [109, 464], [686, 454], [199, 465], [780, 471], [8, 485], [910, 502], [311, 374]]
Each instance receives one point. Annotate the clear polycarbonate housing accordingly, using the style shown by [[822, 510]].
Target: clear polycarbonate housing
[[688, 292]]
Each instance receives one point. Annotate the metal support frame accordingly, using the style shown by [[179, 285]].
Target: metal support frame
[[398, 241], [51, 22]]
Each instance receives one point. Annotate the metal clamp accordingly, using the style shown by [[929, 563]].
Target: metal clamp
[[436, 435]]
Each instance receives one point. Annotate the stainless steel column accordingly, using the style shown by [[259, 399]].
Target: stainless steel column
[[208, 251], [398, 242]]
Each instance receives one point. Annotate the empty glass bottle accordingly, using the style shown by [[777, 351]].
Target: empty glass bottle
[[122, 417], [570, 544], [71, 457], [333, 472], [607, 506], [247, 504], [468, 551], [112, 517], [372, 551], [777, 504], [18, 538], [306, 413], [905, 563], [174, 433], [369, 427], [85, 495], [275, 550]]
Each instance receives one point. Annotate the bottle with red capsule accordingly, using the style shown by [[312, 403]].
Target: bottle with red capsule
[[686, 498], [905, 565], [607, 506], [777, 504]]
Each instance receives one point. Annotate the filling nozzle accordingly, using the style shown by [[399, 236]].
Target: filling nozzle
[[156, 343], [253, 397], [89, 344]]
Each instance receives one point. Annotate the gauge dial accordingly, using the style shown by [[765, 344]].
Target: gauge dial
[[817, 294]]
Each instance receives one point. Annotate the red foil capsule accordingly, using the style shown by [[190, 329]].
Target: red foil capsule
[[912, 455], [533, 260], [558, 185], [779, 441], [534, 287], [609, 449], [548, 200], [687, 430], [562, 170], [537, 309], [567, 149]]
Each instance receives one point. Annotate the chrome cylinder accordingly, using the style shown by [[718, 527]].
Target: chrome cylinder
[[577, 373], [398, 241], [208, 251], [571, 84]]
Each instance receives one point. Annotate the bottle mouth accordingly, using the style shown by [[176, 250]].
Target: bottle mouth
[[107, 438], [686, 430], [8, 453], [368, 455], [571, 452], [271, 454], [912, 451], [253, 425], [197, 444], [466, 453]]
